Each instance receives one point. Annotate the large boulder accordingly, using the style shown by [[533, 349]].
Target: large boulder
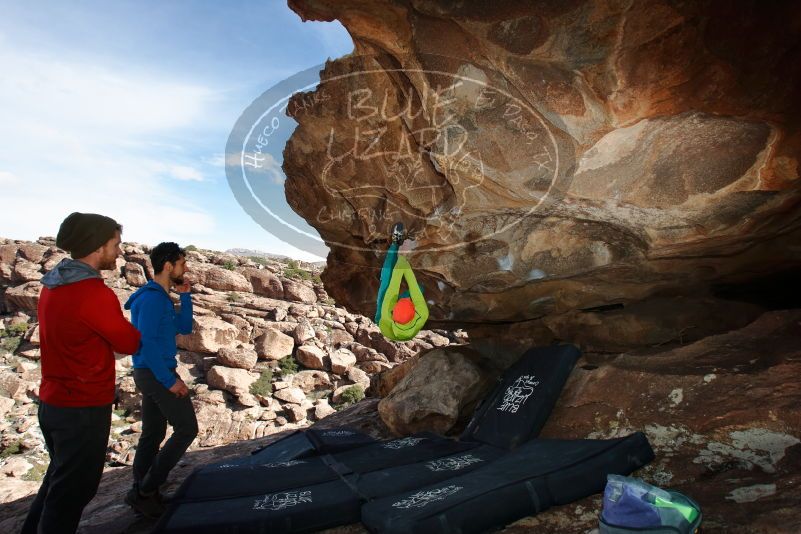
[[209, 334], [311, 380], [264, 283], [303, 332], [33, 252], [442, 389], [239, 357], [135, 274], [297, 291], [341, 361], [219, 278], [23, 297], [144, 261], [8, 253], [274, 345], [385, 381], [26, 271], [235, 381], [291, 395], [312, 357]]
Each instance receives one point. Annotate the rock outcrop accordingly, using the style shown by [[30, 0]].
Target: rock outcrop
[[550, 157]]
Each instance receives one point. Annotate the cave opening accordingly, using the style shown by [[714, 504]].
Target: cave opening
[[774, 291]]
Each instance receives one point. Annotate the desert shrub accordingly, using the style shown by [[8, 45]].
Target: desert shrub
[[18, 329], [9, 344], [352, 395], [264, 385], [287, 366], [15, 447], [299, 274], [36, 473]]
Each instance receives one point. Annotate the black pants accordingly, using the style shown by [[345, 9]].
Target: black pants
[[159, 407], [76, 439]]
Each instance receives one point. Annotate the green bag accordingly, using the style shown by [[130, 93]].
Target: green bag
[[391, 329]]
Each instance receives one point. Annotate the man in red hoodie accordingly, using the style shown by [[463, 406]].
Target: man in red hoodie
[[80, 327]]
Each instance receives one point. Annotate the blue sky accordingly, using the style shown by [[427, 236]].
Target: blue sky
[[124, 108]]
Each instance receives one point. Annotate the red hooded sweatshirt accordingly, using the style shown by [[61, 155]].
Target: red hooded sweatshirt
[[81, 325]]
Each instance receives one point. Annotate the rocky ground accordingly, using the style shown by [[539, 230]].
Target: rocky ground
[[719, 405], [270, 352]]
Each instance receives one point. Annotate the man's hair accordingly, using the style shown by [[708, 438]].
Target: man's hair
[[163, 253]]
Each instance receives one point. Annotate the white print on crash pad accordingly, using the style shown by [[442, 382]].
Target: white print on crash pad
[[337, 433], [403, 443], [424, 498], [288, 463], [453, 464], [518, 393], [279, 501], [227, 466]]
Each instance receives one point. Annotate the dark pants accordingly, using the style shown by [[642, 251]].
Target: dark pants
[[159, 407], [76, 439]]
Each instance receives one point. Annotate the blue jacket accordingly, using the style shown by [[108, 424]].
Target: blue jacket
[[153, 314]]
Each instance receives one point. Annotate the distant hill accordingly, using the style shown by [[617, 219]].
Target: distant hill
[[269, 256]]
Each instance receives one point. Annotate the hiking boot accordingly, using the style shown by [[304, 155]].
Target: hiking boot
[[147, 505]]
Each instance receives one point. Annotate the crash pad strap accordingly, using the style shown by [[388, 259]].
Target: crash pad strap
[[386, 274]]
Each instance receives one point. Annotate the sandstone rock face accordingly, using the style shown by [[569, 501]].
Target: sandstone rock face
[[653, 322], [419, 402], [565, 156]]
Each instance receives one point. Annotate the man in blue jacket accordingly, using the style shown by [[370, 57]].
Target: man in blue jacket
[[165, 397]]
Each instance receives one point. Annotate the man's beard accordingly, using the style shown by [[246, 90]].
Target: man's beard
[[109, 264], [177, 280]]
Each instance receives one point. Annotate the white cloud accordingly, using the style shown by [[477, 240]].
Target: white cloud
[[91, 139], [77, 136], [185, 173], [217, 160], [7, 178]]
